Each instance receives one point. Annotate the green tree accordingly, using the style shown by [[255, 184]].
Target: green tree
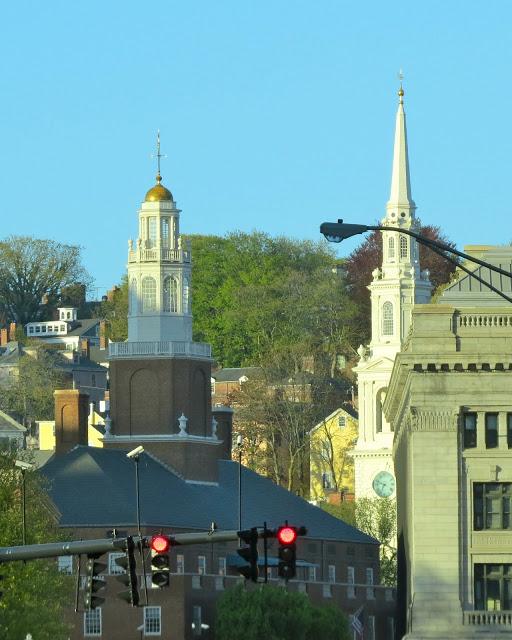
[[276, 614], [29, 393], [114, 311], [33, 270], [35, 594]]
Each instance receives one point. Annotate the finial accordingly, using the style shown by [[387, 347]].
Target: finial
[[158, 156], [401, 90]]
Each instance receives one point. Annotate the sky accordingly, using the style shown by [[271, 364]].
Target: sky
[[275, 116]]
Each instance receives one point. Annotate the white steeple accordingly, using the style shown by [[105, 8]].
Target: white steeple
[[159, 271], [400, 195]]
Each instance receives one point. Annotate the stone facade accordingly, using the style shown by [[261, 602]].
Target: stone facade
[[449, 401]]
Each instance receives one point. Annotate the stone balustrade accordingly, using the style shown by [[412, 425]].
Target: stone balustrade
[[162, 254], [489, 618]]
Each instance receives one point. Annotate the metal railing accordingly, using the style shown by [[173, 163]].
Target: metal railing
[[159, 348]]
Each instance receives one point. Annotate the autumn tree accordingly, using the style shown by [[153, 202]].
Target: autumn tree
[[368, 256], [114, 311], [33, 270]]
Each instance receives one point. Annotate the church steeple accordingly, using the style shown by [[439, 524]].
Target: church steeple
[[400, 196]]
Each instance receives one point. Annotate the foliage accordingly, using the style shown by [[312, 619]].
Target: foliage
[[276, 614], [253, 294], [114, 311], [368, 256], [345, 511], [29, 394], [35, 594], [32, 270]]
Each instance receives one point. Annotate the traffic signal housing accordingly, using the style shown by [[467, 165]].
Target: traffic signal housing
[[129, 578], [249, 554], [94, 582], [160, 561], [287, 536]]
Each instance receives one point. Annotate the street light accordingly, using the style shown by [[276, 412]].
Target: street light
[[134, 455], [23, 467], [239, 442], [338, 231]]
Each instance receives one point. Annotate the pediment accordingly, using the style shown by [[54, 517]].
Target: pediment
[[377, 364]]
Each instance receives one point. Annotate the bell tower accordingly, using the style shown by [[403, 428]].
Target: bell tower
[[397, 285]]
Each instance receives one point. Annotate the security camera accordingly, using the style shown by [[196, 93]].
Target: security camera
[[25, 466], [135, 453]]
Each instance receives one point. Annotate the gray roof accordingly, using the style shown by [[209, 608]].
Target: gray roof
[[10, 424], [93, 487], [83, 327], [234, 374], [98, 355]]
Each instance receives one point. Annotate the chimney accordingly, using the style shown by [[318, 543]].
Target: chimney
[[4, 337], [71, 419], [103, 337], [224, 417], [85, 350], [12, 331]]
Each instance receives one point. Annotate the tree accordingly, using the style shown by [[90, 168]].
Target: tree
[[35, 594], [368, 256], [114, 311], [29, 393], [32, 270], [276, 614]]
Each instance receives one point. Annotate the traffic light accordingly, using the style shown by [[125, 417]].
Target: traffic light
[[129, 578], [249, 554], [286, 536], [160, 563], [94, 582]]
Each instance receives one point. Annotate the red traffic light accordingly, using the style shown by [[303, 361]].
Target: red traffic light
[[160, 544], [287, 535]]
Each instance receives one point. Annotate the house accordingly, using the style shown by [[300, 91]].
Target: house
[[331, 469], [67, 329], [12, 433]]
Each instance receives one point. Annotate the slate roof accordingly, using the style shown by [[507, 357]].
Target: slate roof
[[82, 327], [93, 487]]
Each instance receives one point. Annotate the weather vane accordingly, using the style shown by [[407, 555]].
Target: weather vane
[[158, 155], [401, 90]]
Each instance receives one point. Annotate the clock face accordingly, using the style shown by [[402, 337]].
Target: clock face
[[384, 484]]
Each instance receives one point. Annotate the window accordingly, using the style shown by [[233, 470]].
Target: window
[[165, 232], [133, 296], [68, 315], [186, 296], [92, 622], [469, 430], [113, 568], [370, 591], [197, 621], [222, 566], [391, 247], [312, 574], [403, 247], [331, 573], [31, 329], [148, 294], [38, 329], [201, 565], [152, 621], [171, 294], [327, 480], [493, 587], [491, 430], [351, 590], [491, 505], [509, 430], [180, 563], [43, 328], [63, 327], [387, 319], [65, 564], [342, 421], [152, 231]]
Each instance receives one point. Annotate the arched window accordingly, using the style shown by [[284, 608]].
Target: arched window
[[148, 294], [186, 296], [391, 247], [152, 231], [165, 232], [133, 296], [403, 247], [387, 319], [171, 294], [379, 416]]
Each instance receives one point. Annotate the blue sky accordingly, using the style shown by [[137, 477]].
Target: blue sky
[[274, 115]]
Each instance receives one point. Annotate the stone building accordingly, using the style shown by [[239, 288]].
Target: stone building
[[396, 287], [449, 401]]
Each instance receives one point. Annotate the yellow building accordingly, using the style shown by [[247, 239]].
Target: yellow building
[[330, 464], [46, 430]]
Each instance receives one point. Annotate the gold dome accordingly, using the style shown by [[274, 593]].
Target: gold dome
[[158, 192]]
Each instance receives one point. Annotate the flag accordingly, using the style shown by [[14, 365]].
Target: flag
[[355, 621]]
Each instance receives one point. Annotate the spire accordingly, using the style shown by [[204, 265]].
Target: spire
[[400, 182]]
